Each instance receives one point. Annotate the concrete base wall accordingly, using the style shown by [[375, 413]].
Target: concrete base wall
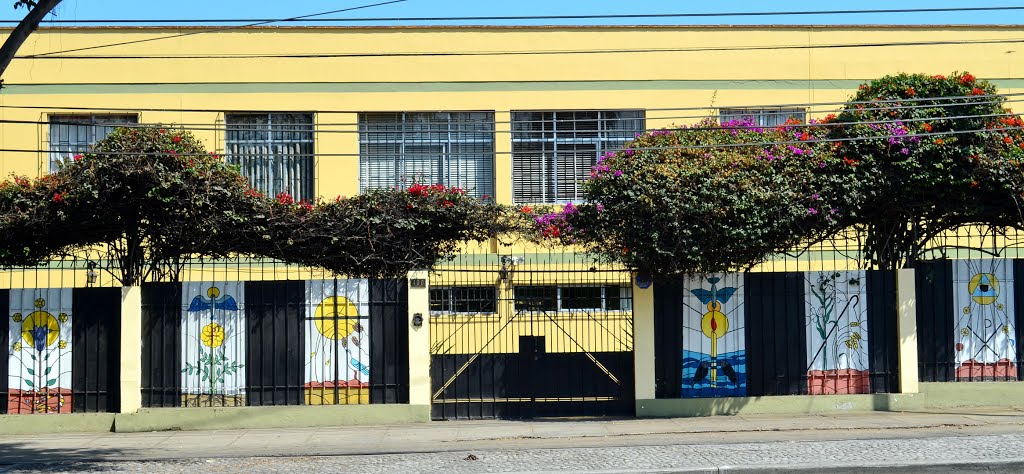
[[53, 423], [228, 418], [932, 396]]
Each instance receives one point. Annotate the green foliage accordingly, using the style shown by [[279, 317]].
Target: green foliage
[[153, 197], [705, 199], [923, 159]]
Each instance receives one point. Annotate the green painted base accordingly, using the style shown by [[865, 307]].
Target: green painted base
[[229, 418], [783, 405], [56, 423], [932, 396]]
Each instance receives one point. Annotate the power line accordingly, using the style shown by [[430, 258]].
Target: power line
[[540, 17], [214, 30], [921, 102], [55, 55]]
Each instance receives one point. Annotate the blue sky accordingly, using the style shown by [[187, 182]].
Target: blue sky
[[220, 9]]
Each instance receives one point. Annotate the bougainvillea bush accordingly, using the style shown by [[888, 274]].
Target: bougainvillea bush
[[708, 198], [925, 155], [379, 233], [152, 197]]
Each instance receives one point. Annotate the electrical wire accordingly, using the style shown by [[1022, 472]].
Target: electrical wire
[[546, 17], [869, 104], [216, 30], [420, 54]]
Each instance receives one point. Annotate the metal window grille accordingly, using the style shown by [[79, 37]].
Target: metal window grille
[[553, 151], [573, 298], [274, 151], [73, 134], [762, 117], [451, 148], [463, 299]]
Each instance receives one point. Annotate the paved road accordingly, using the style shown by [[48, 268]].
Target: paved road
[[980, 442]]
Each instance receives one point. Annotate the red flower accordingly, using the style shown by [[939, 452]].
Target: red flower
[[163, 131], [285, 198], [966, 79], [448, 203], [849, 162], [974, 184], [526, 209], [307, 206], [419, 190], [551, 231], [977, 91], [939, 77], [939, 141], [911, 92], [1007, 140], [58, 197], [77, 157], [926, 127], [176, 139]]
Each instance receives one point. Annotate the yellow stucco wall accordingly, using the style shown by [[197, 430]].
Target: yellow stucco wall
[[698, 77]]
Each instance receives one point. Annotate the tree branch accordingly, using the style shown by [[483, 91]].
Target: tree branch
[[37, 11]]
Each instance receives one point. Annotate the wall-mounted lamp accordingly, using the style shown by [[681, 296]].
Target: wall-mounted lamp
[[90, 275], [417, 320], [508, 265]]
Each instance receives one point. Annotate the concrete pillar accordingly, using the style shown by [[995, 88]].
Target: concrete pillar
[[906, 298], [643, 341], [131, 349], [419, 338]]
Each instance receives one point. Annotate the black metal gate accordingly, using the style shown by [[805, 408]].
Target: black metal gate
[[530, 336]]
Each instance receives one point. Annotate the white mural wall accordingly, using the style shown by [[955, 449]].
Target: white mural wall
[[337, 341], [39, 364], [714, 345], [837, 330], [213, 343], [983, 332]]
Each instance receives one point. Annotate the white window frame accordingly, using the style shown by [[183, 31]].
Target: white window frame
[[287, 166], [98, 124], [405, 134], [766, 117], [604, 139]]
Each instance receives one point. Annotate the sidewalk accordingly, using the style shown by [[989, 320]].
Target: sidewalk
[[853, 440]]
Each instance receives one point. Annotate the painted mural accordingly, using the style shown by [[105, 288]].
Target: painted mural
[[983, 335], [837, 328], [39, 365], [213, 344], [714, 345], [337, 342]]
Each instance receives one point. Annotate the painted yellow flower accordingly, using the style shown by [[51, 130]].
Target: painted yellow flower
[[212, 335], [62, 344], [17, 346], [965, 332], [1006, 329], [63, 317], [16, 317], [999, 306], [967, 310]]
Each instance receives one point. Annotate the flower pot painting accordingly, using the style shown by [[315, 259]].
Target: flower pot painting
[[837, 329], [714, 345], [984, 342], [213, 344], [39, 367], [337, 342]]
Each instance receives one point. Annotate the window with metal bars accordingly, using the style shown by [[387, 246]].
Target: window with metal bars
[[553, 151], [762, 117], [74, 134], [463, 299], [274, 151], [451, 148], [570, 298]]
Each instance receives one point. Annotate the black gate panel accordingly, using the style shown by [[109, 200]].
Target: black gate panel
[[776, 334], [161, 345], [883, 331], [668, 338], [1018, 300], [935, 354], [96, 349], [389, 341], [5, 342], [275, 342]]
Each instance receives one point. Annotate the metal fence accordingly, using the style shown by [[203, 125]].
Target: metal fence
[[516, 334]]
